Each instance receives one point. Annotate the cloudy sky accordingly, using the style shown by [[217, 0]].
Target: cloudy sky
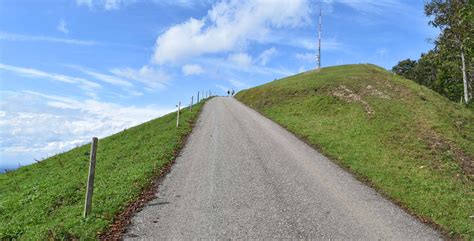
[[73, 69]]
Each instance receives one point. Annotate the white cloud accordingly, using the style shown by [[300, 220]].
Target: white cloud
[[192, 69], [105, 4], [327, 44], [369, 12], [118, 4], [266, 55], [238, 83], [65, 101], [302, 69], [112, 4], [34, 73], [240, 59], [87, 3], [370, 6], [225, 64], [48, 124], [152, 77], [108, 78], [228, 25], [62, 27], [32, 38], [223, 88], [184, 3], [309, 57], [103, 77]]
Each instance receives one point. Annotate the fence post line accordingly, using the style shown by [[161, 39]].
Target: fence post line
[[191, 106], [177, 118], [90, 178]]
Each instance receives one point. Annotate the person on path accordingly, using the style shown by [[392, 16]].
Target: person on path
[[233, 92], [228, 92]]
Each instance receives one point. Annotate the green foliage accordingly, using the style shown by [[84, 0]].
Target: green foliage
[[426, 70], [440, 69], [45, 200], [412, 144], [405, 68]]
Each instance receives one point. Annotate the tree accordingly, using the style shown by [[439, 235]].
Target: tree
[[426, 70], [405, 68], [454, 18]]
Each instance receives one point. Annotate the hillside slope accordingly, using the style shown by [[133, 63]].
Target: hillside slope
[[410, 143], [45, 200]]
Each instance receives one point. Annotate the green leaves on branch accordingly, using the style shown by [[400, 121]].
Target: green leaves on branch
[[441, 69]]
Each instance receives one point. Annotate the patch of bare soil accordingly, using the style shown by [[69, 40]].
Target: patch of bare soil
[[346, 94], [440, 146], [370, 90]]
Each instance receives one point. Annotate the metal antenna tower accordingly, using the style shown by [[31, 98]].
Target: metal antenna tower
[[318, 57]]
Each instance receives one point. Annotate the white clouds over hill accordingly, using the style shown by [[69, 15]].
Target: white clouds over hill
[[228, 25], [27, 128]]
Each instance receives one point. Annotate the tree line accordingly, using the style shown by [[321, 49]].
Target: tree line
[[448, 68]]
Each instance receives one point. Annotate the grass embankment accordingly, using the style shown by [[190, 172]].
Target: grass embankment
[[45, 200], [409, 142]]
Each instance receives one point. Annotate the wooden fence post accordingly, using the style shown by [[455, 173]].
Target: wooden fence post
[[90, 179], [191, 106], [177, 118]]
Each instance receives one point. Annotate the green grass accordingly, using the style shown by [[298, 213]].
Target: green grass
[[410, 143], [45, 200]]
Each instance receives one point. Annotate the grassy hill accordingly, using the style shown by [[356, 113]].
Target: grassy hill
[[410, 143], [45, 200]]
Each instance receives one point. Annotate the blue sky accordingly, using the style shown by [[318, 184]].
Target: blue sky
[[71, 70]]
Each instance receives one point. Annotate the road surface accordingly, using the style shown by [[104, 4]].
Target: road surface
[[242, 176]]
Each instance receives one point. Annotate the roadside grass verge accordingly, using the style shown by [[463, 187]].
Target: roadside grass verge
[[45, 200], [413, 145]]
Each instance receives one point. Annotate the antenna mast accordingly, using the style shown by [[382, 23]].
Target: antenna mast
[[318, 57]]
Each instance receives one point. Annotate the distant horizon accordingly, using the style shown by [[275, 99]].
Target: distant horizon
[[10, 166]]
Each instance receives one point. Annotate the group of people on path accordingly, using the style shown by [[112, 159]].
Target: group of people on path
[[230, 92]]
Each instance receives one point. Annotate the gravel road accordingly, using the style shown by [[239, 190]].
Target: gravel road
[[242, 176]]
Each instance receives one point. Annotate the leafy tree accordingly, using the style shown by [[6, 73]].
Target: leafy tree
[[426, 70], [449, 67], [454, 18], [405, 68]]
